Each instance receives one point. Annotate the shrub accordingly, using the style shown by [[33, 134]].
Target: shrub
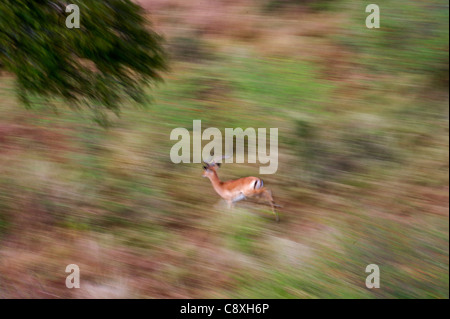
[[112, 56]]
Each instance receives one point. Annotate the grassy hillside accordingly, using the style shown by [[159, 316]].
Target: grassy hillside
[[363, 163]]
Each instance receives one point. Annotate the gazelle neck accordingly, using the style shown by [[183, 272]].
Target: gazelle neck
[[216, 182]]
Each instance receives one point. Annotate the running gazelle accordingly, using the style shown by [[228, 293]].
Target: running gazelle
[[238, 189]]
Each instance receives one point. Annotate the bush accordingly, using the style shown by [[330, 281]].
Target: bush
[[315, 5], [188, 49], [412, 38], [349, 151], [111, 57]]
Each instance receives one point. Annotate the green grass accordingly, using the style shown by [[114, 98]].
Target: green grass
[[363, 178]]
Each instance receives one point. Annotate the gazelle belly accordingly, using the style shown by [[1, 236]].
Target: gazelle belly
[[238, 198]]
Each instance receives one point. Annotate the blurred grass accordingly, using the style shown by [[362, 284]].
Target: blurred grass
[[363, 170]]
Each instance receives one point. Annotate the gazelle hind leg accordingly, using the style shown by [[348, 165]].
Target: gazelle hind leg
[[277, 218], [267, 194]]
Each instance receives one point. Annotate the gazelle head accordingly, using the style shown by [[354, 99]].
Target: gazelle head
[[210, 166]]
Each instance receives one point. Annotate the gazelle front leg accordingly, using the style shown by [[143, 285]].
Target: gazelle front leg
[[230, 203]]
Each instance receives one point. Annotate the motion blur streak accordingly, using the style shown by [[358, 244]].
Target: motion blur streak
[[362, 118]]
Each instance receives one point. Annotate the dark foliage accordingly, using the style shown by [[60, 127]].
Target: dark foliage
[[111, 57]]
